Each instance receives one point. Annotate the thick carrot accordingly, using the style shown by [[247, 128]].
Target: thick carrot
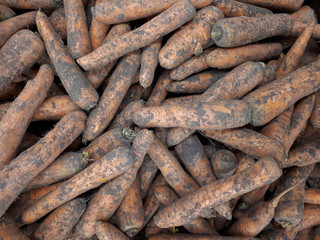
[[64, 167], [108, 167], [291, 60], [112, 96], [270, 100], [58, 224], [197, 83], [96, 76], [223, 58], [189, 207], [117, 11], [312, 196], [149, 63], [251, 142], [6, 12], [15, 122], [238, 31], [315, 115], [305, 14], [146, 174], [9, 230], [180, 100], [224, 163], [247, 75], [58, 22], [193, 65], [166, 22], [35, 4], [203, 116], [289, 5], [107, 231], [184, 236], [19, 53], [232, 8], [191, 39], [76, 84], [15, 176], [78, 38]]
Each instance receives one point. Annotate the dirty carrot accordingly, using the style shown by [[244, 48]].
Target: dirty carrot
[[15, 176], [75, 83], [149, 63], [9, 230], [312, 195], [184, 236], [269, 73], [315, 115], [238, 31], [109, 166], [36, 4], [310, 217], [197, 83], [180, 100], [135, 92], [191, 39], [204, 116], [223, 58], [58, 22], [58, 223], [305, 14], [15, 122], [162, 24], [289, 5], [6, 12], [107, 231], [189, 207], [112, 96], [224, 163], [146, 174]]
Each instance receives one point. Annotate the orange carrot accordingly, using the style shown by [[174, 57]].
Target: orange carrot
[[15, 176], [135, 92], [312, 196], [36, 4], [305, 14], [58, 22], [6, 12], [224, 163], [315, 115], [106, 231], [184, 236], [289, 5], [310, 217], [146, 175], [269, 73], [9, 230], [162, 24], [180, 100]]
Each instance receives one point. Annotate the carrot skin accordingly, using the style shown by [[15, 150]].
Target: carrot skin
[[289, 5], [184, 236], [106, 231], [36, 4], [15, 176], [315, 115], [146, 174], [312, 196], [142, 36], [224, 163], [58, 22]]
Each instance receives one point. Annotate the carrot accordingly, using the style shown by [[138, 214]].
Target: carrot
[[232, 8], [223, 58], [106, 201], [28, 140], [224, 89], [135, 92], [312, 196], [112, 96], [197, 83], [9, 230], [96, 76], [310, 217], [149, 63], [191, 39], [64, 167], [238, 31], [6, 12], [291, 60], [77, 29], [146, 174], [305, 14], [289, 5], [165, 22], [224, 163], [180, 100], [108, 167], [189, 207], [58, 224], [204, 116], [15, 176], [184, 236], [299, 27], [107, 231], [279, 233], [36, 4], [193, 65], [304, 234], [76, 84], [15, 122], [314, 118], [58, 22], [269, 73], [117, 11]]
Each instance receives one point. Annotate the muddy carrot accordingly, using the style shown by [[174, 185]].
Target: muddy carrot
[[251, 74], [58, 224], [64, 167], [76, 84], [28, 140], [108, 167], [162, 24], [146, 175], [117, 11], [310, 217], [16, 120], [289, 5], [269, 73], [191, 39], [189, 207], [238, 31], [107, 231], [232, 8], [134, 93], [284, 93], [224, 163], [312, 196], [184, 236], [6, 12], [204, 116], [9, 230], [58, 22], [78, 38], [315, 115], [305, 14], [193, 65], [112, 96], [15, 176], [197, 83], [180, 100], [149, 62], [21, 4], [223, 58]]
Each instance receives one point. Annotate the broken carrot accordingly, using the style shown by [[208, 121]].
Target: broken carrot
[[107, 231], [224, 163], [6, 12], [58, 22]]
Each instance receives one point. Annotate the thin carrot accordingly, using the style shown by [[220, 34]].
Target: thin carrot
[[191, 39], [15, 176], [315, 115], [162, 24], [224, 163], [58, 224], [106, 231], [112, 96], [58, 22], [36, 4], [312, 196], [6, 12], [289, 5], [9, 230], [146, 174]]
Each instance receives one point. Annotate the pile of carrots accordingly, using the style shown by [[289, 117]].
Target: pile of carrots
[[159, 119]]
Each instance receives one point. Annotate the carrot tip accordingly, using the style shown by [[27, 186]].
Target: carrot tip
[[131, 232], [216, 34]]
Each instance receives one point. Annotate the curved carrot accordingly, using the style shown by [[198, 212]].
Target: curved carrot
[[106, 231], [58, 22], [6, 12], [35, 4], [289, 5]]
